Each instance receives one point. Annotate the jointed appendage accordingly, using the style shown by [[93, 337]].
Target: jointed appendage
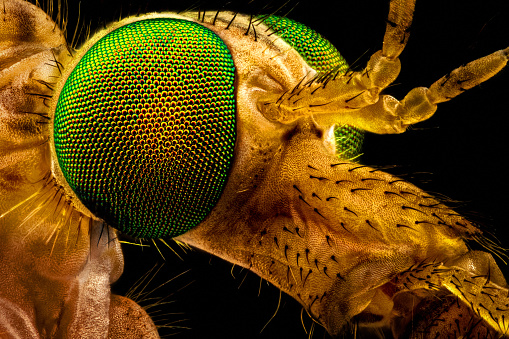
[[481, 292], [219, 130], [355, 98]]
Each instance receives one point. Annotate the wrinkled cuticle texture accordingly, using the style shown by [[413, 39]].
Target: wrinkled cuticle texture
[[144, 126], [323, 57]]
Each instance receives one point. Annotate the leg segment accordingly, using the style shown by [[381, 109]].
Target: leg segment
[[389, 115], [473, 281], [440, 316], [355, 98], [344, 93], [397, 30]]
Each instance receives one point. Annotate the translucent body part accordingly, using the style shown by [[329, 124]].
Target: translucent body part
[[355, 246]]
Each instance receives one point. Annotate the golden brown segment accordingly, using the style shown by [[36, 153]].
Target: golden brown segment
[[421, 103], [129, 320], [355, 98], [441, 316], [473, 280], [398, 26]]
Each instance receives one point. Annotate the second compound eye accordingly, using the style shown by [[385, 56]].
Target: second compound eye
[[326, 60], [144, 128]]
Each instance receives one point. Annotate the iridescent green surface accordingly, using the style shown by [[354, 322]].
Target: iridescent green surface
[[144, 127], [323, 57]]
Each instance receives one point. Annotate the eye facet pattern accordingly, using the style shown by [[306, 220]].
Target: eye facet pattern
[[324, 58], [144, 127]]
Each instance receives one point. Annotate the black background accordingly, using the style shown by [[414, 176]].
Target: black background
[[460, 152]]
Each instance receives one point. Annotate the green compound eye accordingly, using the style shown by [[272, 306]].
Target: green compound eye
[[323, 57], [144, 127]]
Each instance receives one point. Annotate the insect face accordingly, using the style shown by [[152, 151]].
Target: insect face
[[145, 122], [149, 106], [236, 134]]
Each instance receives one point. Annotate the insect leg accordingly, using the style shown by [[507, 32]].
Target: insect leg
[[473, 279], [389, 115], [344, 94]]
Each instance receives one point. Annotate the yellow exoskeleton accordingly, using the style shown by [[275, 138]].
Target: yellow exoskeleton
[[238, 135]]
